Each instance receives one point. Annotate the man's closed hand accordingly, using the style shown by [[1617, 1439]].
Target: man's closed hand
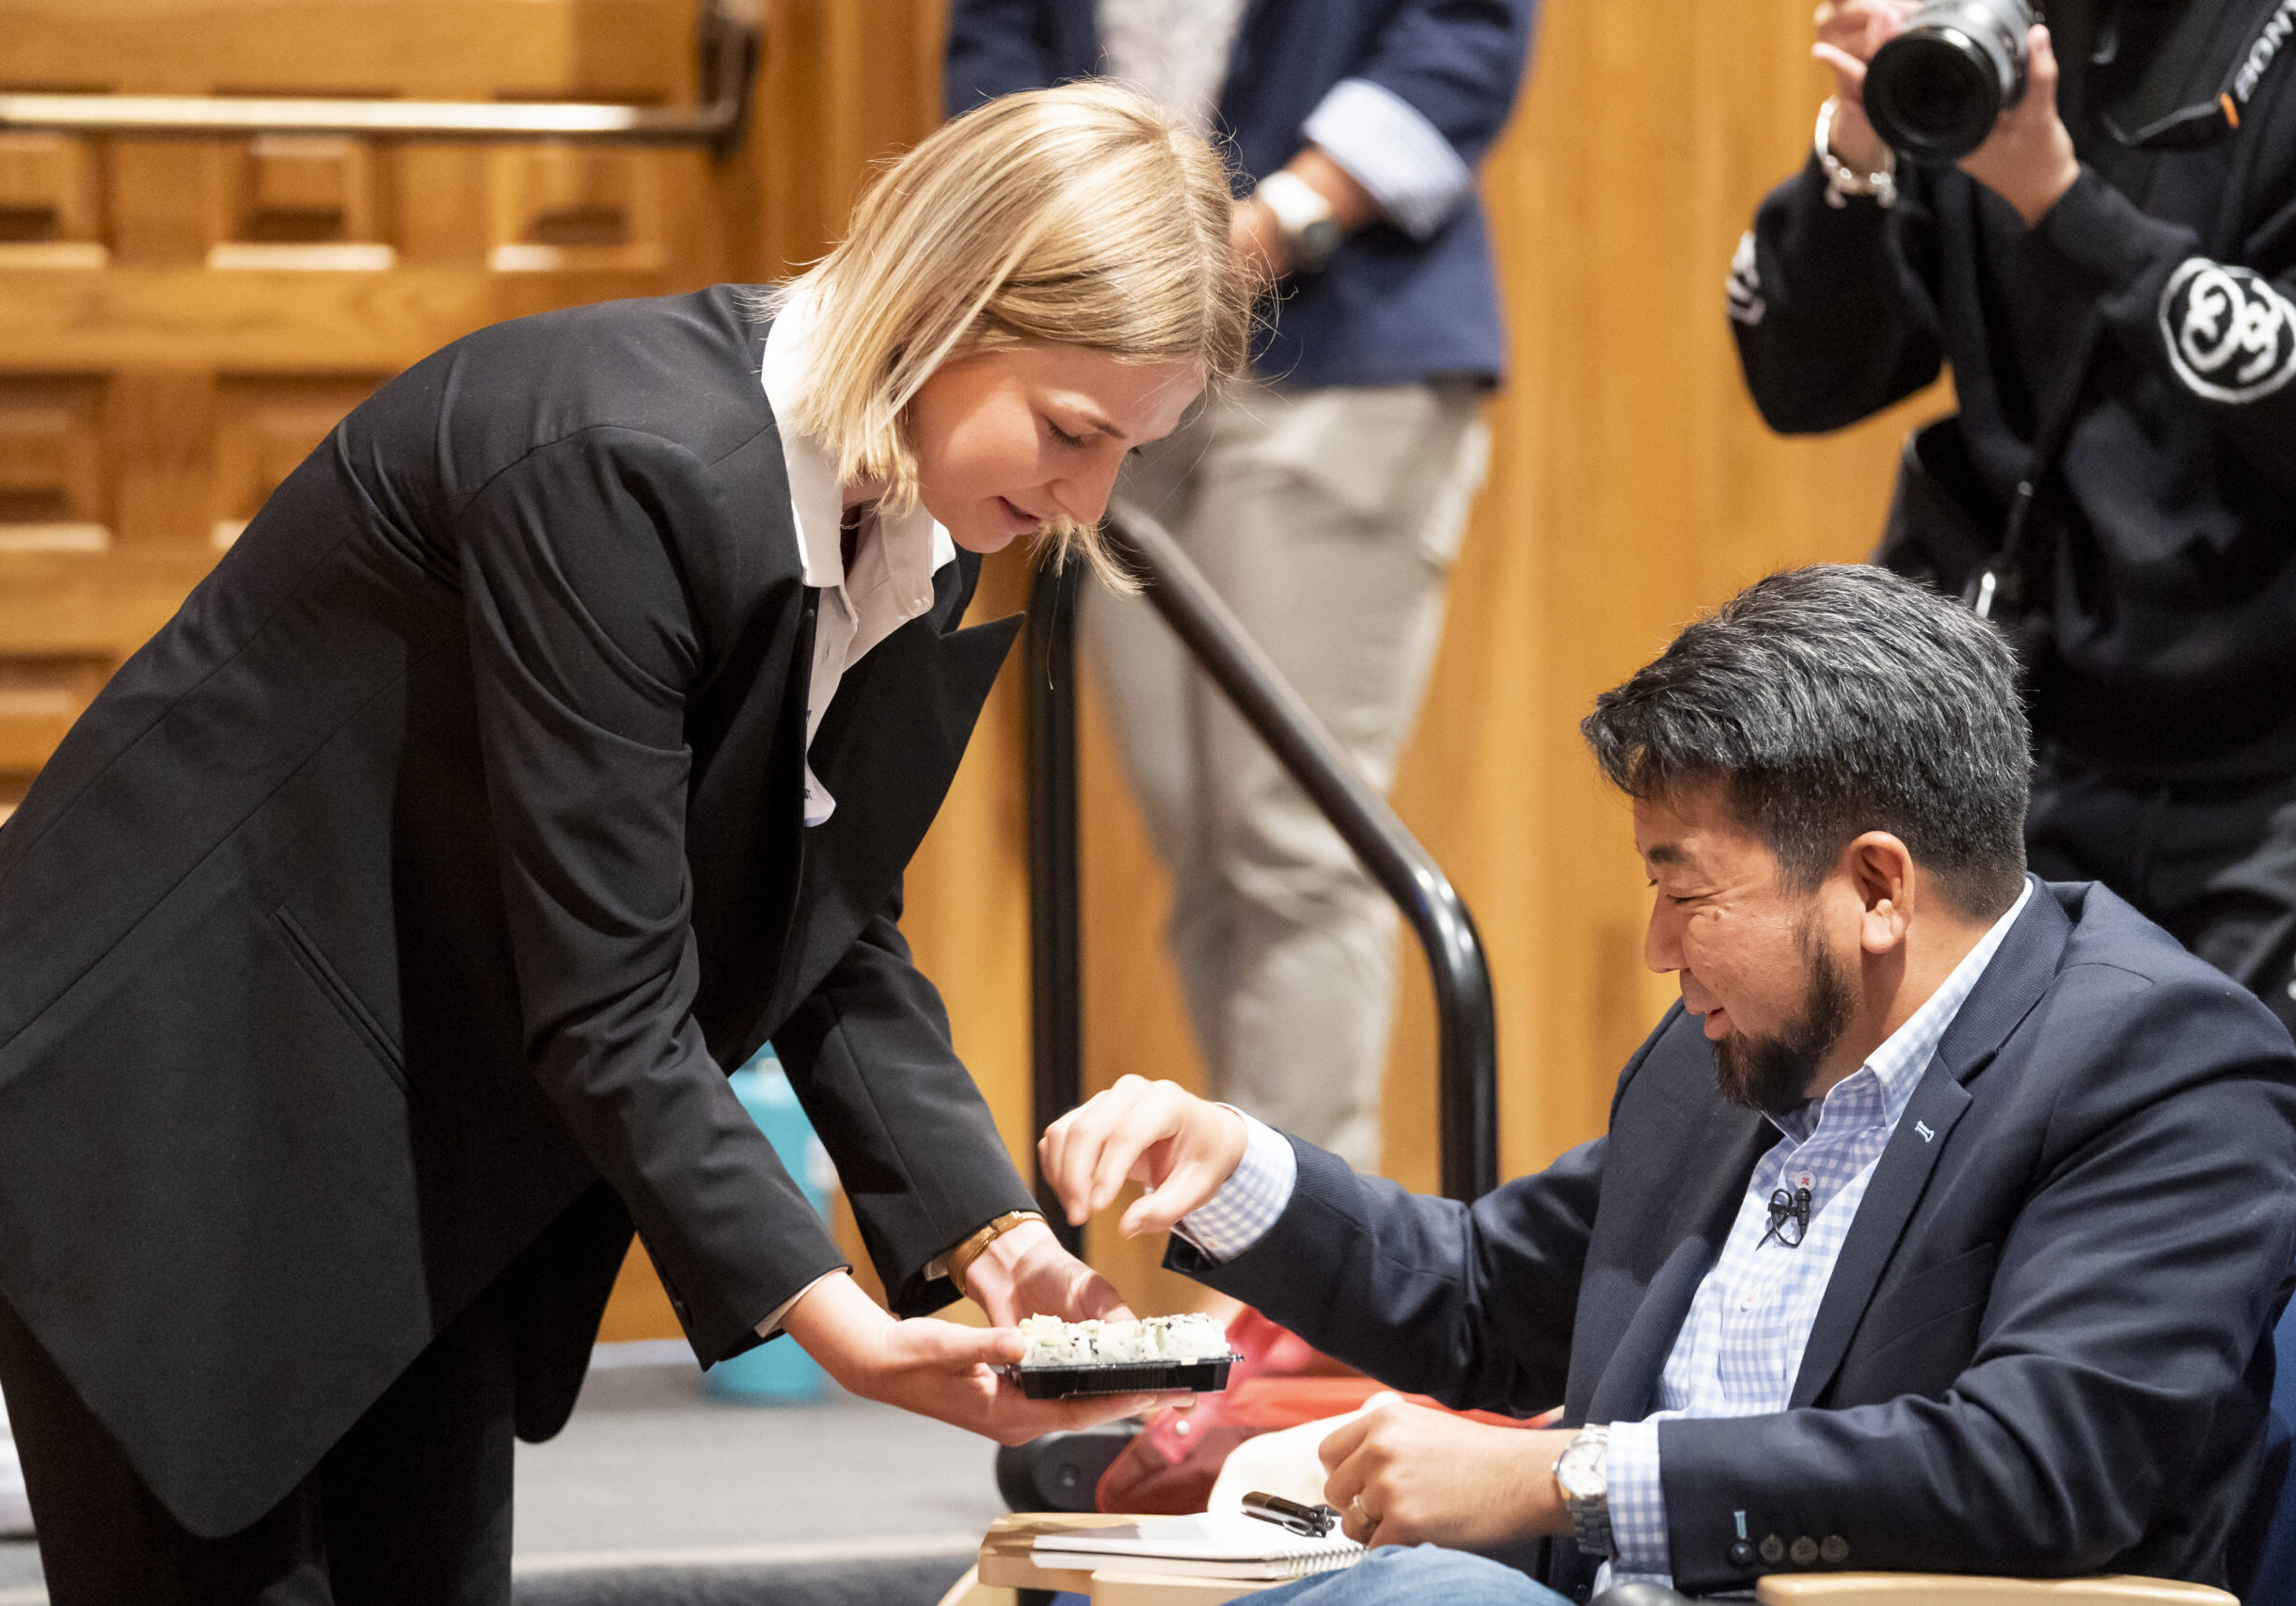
[[1401, 1475]]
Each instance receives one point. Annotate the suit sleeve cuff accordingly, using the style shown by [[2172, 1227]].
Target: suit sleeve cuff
[[1638, 1501], [772, 1324], [1252, 1200], [1394, 153]]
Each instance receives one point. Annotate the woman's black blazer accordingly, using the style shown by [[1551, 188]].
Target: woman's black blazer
[[386, 924]]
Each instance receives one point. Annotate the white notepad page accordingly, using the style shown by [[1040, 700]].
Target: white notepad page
[[1213, 1544]]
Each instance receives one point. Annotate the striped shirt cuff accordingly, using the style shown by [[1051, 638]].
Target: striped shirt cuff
[[1251, 1200], [1392, 152], [1639, 1547]]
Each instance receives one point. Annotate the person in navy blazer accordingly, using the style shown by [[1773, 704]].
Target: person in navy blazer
[[373, 952], [1391, 307], [1941, 1227], [1325, 500]]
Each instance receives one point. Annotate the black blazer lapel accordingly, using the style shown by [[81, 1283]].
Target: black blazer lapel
[[887, 751], [2004, 995], [1721, 1158]]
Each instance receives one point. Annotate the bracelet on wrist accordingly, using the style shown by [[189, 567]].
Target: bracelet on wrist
[[1842, 181], [964, 1255]]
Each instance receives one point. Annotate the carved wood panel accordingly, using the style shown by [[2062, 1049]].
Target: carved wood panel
[[181, 320]]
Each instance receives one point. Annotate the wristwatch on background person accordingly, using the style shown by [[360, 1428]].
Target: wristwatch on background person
[[1582, 1475], [1311, 233]]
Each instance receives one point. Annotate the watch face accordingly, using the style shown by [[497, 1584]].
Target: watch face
[[1315, 245], [1580, 1471]]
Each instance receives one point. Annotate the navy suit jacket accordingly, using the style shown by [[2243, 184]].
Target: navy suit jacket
[[2046, 1348], [1388, 310]]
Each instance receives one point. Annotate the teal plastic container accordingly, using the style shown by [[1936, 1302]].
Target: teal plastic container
[[777, 1373]]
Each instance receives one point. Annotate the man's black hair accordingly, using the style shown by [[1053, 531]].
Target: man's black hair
[[1830, 700]]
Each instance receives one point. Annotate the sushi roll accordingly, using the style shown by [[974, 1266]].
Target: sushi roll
[[1064, 1359]]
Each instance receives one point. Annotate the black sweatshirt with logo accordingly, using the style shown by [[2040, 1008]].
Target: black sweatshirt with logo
[[2171, 579]]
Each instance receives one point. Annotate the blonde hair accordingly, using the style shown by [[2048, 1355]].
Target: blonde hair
[[1079, 216]]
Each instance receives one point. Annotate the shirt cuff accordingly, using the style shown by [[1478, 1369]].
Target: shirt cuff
[[1252, 1200], [772, 1324], [1638, 1546], [1394, 153]]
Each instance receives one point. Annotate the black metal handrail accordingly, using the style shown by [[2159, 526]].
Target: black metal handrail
[[1467, 1053], [729, 43]]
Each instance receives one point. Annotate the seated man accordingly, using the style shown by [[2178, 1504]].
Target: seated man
[[1941, 1227]]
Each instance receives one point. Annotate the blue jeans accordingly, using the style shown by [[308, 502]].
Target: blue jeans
[[1393, 1576]]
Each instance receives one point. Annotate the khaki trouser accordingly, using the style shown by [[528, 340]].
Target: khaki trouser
[[1327, 520]]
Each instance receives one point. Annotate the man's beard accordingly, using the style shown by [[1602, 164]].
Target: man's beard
[[1773, 1073]]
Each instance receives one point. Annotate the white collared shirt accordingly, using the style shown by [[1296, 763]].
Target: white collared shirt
[[895, 558]]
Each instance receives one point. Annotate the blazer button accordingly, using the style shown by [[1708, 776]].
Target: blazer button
[[1833, 1549], [1773, 1549], [1803, 1550], [1741, 1554]]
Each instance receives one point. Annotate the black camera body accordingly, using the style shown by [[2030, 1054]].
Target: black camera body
[[1934, 91]]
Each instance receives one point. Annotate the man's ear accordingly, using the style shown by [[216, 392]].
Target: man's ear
[[1880, 869]]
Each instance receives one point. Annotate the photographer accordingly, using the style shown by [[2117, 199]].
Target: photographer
[[2111, 277]]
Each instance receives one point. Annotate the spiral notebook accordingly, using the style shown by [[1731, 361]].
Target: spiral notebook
[[1213, 1544]]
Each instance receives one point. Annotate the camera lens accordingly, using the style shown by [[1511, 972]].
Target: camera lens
[[1934, 92]]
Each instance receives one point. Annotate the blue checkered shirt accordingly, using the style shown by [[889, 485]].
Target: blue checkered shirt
[[1742, 1343]]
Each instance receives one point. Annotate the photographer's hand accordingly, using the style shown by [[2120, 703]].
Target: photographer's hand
[[2028, 160], [1848, 33]]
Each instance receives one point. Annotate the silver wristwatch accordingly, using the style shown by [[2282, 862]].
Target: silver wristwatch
[[1841, 181], [1582, 1474]]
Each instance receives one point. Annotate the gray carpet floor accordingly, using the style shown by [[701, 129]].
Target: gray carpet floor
[[655, 1493]]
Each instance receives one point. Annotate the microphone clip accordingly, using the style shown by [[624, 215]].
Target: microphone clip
[[1789, 1218]]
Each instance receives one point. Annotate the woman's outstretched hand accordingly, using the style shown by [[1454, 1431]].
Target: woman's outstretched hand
[[1025, 1272], [937, 1369]]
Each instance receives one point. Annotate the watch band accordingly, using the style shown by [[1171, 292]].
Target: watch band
[[1842, 181], [1311, 233], [1292, 199], [1580, 1474], [964, 1255]]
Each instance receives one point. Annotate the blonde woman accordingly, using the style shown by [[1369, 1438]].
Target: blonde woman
[[372, 951]]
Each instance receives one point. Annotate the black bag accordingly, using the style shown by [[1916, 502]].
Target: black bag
[[1949, 531], [1945, 525]]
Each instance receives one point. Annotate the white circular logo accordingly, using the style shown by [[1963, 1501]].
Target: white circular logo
[[2231, 336]]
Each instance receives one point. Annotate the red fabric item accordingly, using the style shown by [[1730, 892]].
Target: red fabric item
[[1169, 1467]]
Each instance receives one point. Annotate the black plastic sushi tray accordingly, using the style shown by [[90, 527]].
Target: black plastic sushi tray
[[1123, 1377]]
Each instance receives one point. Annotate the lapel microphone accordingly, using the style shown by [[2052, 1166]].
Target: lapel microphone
[[1789, 1218]]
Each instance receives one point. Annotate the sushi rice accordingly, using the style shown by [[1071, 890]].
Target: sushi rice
[[1055, 1342]]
